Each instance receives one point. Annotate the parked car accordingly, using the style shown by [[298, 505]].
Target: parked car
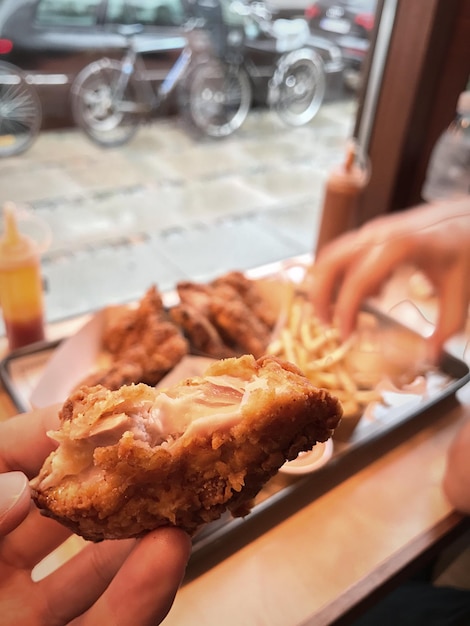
[[288, 8], [349, 24], [52, 40]]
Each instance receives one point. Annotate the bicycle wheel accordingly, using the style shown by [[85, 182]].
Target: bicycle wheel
[[298, 87], [20, 111], [107, 119], [215, 98]]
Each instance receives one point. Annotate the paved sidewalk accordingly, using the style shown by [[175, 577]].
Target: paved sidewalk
[[167, 207]]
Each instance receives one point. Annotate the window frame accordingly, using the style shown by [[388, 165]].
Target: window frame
[[427, 67]]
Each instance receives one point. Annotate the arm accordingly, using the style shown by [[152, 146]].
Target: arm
[[435, 238], [456, 482]]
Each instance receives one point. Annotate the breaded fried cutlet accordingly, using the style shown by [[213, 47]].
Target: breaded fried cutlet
[[250, 293], [203, 335], [238, 325], [136, 324], [143, 345], [143, 363], [197, 295], [226, 317], [131, 460]]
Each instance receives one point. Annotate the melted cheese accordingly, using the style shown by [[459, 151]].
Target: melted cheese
[[212, 404]]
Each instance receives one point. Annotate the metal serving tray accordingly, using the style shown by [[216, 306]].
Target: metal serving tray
[[21, 369], [378, 427], [286, 493]]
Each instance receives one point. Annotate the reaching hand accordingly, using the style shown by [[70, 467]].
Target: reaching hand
[[435, 238], [113, 582]]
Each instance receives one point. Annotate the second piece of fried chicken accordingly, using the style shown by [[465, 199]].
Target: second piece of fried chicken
[[143, 345], [226, 317]]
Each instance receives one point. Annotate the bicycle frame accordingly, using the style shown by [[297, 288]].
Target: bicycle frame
[[133, 63], [111, 97], [175, 74]]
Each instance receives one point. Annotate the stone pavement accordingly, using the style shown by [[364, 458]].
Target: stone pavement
[[168, 207]]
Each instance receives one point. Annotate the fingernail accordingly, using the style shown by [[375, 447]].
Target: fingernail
[[12, 487]]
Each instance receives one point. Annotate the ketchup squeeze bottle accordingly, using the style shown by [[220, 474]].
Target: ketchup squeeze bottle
[[344, 187], [21, 290]]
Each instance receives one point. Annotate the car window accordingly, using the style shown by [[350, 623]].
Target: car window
[[67, 12], [362, 5], [146, 12]]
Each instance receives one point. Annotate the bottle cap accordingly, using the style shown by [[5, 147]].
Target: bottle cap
[[17, 246], [354, 170]]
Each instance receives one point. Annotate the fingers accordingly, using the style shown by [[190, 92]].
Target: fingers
[[76, 586], [453, 308], [34, 539], [149, 580], [357, 270], [327, 272], [364, 278], [24, 443], [141, 592], [15, 501]]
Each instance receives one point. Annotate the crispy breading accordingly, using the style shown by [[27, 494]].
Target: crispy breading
[[146, 362], [202, 333], [238, 324], [132, 324], [234, 307], [138, 458], [143, 343], [196, 295], [249, 291]]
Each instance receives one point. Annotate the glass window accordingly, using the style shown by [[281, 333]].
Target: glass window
[[147, 12], [170, 184], [67, 12]]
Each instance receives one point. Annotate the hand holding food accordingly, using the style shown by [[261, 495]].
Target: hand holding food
[[135, 459], [128, 582]]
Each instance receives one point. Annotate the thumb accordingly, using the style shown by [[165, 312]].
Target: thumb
[[15, 500]]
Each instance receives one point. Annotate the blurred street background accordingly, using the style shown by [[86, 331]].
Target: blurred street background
[[167, 207]]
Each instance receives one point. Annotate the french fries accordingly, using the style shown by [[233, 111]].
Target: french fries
[[319, 352]]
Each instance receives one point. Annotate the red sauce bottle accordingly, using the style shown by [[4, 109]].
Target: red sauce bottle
[[344, 187], [21, 291]]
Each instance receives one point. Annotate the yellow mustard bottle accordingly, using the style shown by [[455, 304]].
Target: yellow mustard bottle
[[21, 289]]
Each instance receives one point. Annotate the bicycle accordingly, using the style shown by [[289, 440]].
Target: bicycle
[[20, 111], [297, 86], [110, 99]]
